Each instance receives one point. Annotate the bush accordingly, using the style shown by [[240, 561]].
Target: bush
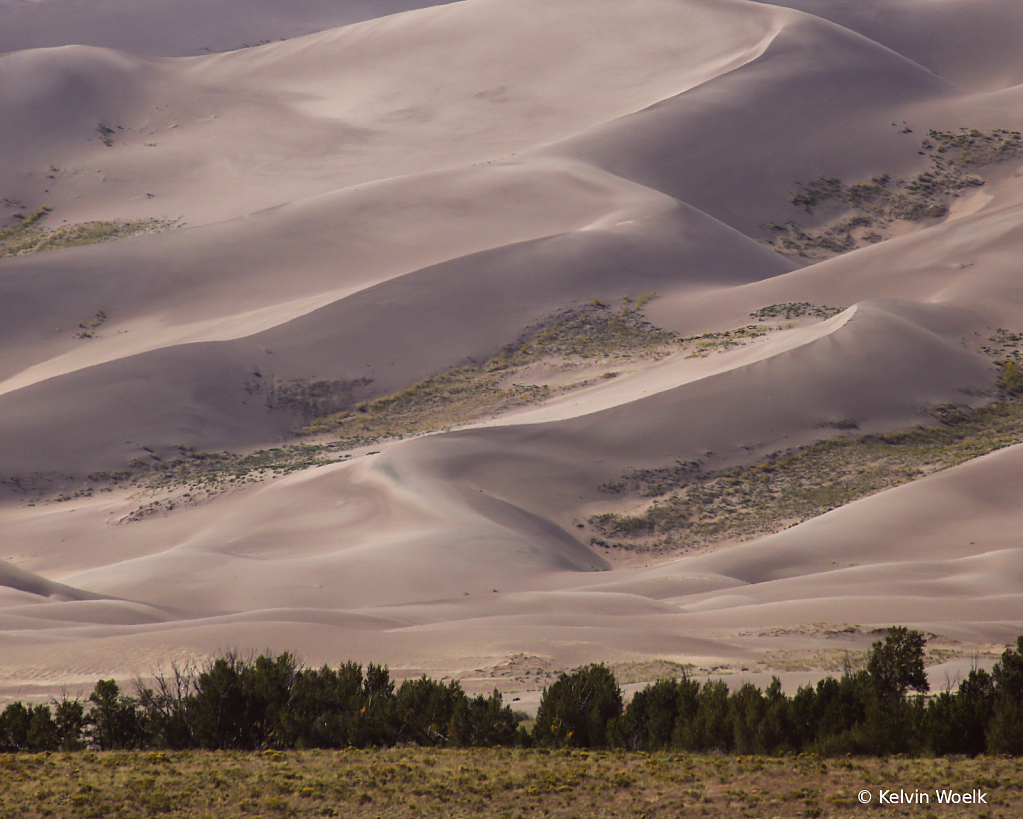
[[1005, 731], [69, 716], [711, 727], [955, 723], [114, 722], [649, 721], [424, 710], [239, 704], [578, 708], [14, 722], [484, 721], [323, 710], [1011, 379]]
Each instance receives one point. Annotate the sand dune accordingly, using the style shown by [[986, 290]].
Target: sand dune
[[389, 190], [215, 137], [232, 280], [177, 29], [946, 37]]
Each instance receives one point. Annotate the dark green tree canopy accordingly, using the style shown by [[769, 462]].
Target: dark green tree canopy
[[271, 701], [897, 665], [578, 707]]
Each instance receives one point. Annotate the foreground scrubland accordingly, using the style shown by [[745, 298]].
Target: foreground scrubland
[[506, 783], [499, 338]]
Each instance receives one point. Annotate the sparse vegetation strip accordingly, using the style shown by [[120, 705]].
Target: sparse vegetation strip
[[31, 236], [211, 469], [494, 783], [695, 506], [864, 212]]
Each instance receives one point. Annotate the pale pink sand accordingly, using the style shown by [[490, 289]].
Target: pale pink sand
[[388, 196]]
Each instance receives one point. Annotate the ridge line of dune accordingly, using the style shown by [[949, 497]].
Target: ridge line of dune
[[859, 35]]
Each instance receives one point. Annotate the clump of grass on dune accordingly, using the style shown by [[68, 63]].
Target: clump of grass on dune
[[453, 397], [32, 236]]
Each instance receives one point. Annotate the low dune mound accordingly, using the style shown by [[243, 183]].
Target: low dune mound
[[494, 337]]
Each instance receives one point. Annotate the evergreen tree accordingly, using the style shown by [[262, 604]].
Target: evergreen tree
[[14, 724], [578, 708], [69, 715], [483, 721], [648, 723], [1005, 731], [115, 722], [710, 728], [897, 665]]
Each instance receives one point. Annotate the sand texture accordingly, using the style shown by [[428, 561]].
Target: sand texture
[[474, 272]]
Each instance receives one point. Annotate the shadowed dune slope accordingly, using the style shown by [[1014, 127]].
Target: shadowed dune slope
[[948, 37], [820, 99]]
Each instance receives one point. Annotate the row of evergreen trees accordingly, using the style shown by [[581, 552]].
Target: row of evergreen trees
[[268, 702], [869, 712], [272, 702]]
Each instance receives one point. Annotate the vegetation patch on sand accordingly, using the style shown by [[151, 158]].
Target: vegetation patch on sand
[[694, 506], [31, 236], [578, 337], [864, 212], [795, 310], [197, 476], [309, 398]]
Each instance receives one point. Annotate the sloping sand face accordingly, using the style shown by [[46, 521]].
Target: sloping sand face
[[363, 208]]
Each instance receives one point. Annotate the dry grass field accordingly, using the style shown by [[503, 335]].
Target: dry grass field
[[406, 782]]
